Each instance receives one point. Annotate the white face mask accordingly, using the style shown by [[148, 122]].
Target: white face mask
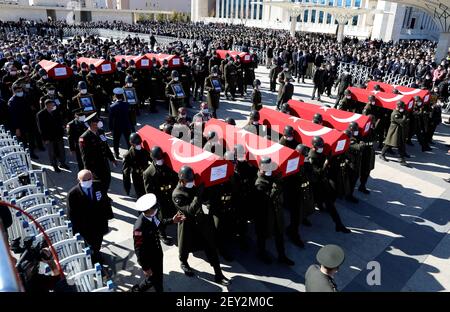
[[348, 97], [138, 147], [51, 92], [289, 138], [82, 118], [100, 124], [319, 150], [86, 184], [45, 77], [355, 133], [160, 162], [19, 94], [205, 110], [175, 79], [268, 173], [255, 123], [401, 110], [13, 73], [83, 91], [214, 74], [129, 85], [190, 184]]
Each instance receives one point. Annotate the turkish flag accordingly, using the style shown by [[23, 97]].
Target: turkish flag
[[383, 99], [141, 61], [288, 160], [173, 60], [56, 70], [245, 56], [385, 87], [209, 168], [332, 118], [101, 66], [336, 142]]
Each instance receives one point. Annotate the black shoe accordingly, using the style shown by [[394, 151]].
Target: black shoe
[[285, 260], [56, 168], [382, 157], [352, 199], [222, 280], [233, 99], [363, 190], [306, 222], [447, 180], [187, 269], [265, 257], [405, 164], [342, 229], [34, 156], [166, 240], [64, 166], [117, 156]]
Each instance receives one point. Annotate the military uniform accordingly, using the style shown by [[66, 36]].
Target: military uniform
[[317, 281], [354, 156], [230, 74], [256, 100], [175, 101], [240, 77], [273, 75], [213, 95], [148, 250], [75, 129], [96, 155], [396, 136], [348, 105], [135, 162], [119, 123], [367, 157], [156, 87]]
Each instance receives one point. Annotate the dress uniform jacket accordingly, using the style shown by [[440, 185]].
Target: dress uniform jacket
[[213, 96], [269, 202], [89, 216], [316, 281], [256, 100], [198, 226], [161, 181], [75, 129], [396, 135], [319, 177], [96, 154], [134, 164], [368, 153]]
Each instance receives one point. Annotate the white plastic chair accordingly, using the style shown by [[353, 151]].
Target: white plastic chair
[[91, 281], [70, 246]]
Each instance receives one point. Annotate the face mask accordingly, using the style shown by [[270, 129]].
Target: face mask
[[45, 77], [289, 138], [372, 103], [82, 118], [268, 173], [214, 74], [319, 150], [93, 72], [119, 68], [419, 104], [175, 79], [348, 97], [154, 65], [26, 72], [160, 162], [83, 91], [166, 66], [129, 85], [13, 73], [190, 185], [100, 124], [138, 147], [205, 110], [51, 92], [75, 72], [255, 123], [401, 110], [86, 184], [19, 94], [355, 133]]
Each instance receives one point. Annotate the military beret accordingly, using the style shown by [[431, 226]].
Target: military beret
[[330, 256]]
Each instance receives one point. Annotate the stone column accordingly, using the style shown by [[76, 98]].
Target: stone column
[[442, 48]]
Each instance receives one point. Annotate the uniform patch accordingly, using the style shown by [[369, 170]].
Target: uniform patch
[[98, 194], [102, 137]]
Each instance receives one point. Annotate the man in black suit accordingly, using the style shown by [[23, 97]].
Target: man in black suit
[[89, 210], [146, 242]]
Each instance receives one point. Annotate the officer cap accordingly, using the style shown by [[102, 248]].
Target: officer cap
[[229, 155], [371, 97], [347, 92], [400, 104], [82, 85], [302, 149], [135, 138], [174, 74], [49, 101], [230, 121], [211, 135], [156, 152], [92, 118], [353, 126], [288, 131], [146, 202], [239, 150], [317, 119], [348, 132], [254, 115], [285, 108], [42, 72], [118, 91], [186, 173], [257, 82], [132, 62], [129, 79], [317, 141], [330, 256]]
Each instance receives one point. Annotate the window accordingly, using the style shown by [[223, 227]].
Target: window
[[348, 3], [313, 16], [239, 8], [220, 8], [339, 2], [413, 23], [260, 12], [330, 2], [320, 17], [355, 20], [255, 8], [328, 18], [305, 16], [358, 3]]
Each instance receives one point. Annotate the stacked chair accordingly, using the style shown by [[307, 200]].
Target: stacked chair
[[27, 189]]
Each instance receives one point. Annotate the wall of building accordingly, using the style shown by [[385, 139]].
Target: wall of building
[[98, 16], [183, 6], [11, 14]]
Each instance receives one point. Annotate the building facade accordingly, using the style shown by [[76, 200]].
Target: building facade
[[391, 22]]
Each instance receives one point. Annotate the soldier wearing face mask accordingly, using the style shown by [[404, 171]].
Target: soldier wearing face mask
[[161, 180], [200, 73], [305, 198], [324, 195], [253, 125], [347, 103], [82, 92], [354, 157], [135, 162], [419, 124], [198, 225], [396, 136], [7, 82], [165, 71], [44, 79], [53, 95], [175, 98], [156, 88], [213, 88], [75, 129], [367, 155], [256, 96]]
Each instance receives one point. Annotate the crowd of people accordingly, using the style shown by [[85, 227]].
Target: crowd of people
[[40, 111]]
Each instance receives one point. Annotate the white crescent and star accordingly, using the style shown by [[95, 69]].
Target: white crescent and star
[[188, 159], [319, 132]]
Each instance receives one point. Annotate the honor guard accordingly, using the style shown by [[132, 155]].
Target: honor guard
[[95, 151], [160, 180], [230, 75], [213, 88], [175, 93], [78, 100], [213, 145], [198, 227], [347, 103], [256, 95], [305, 200], [135, 162], [317, 119], [367, 156], [75, 129], [354, 154], [146, 242], [253, 125]]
